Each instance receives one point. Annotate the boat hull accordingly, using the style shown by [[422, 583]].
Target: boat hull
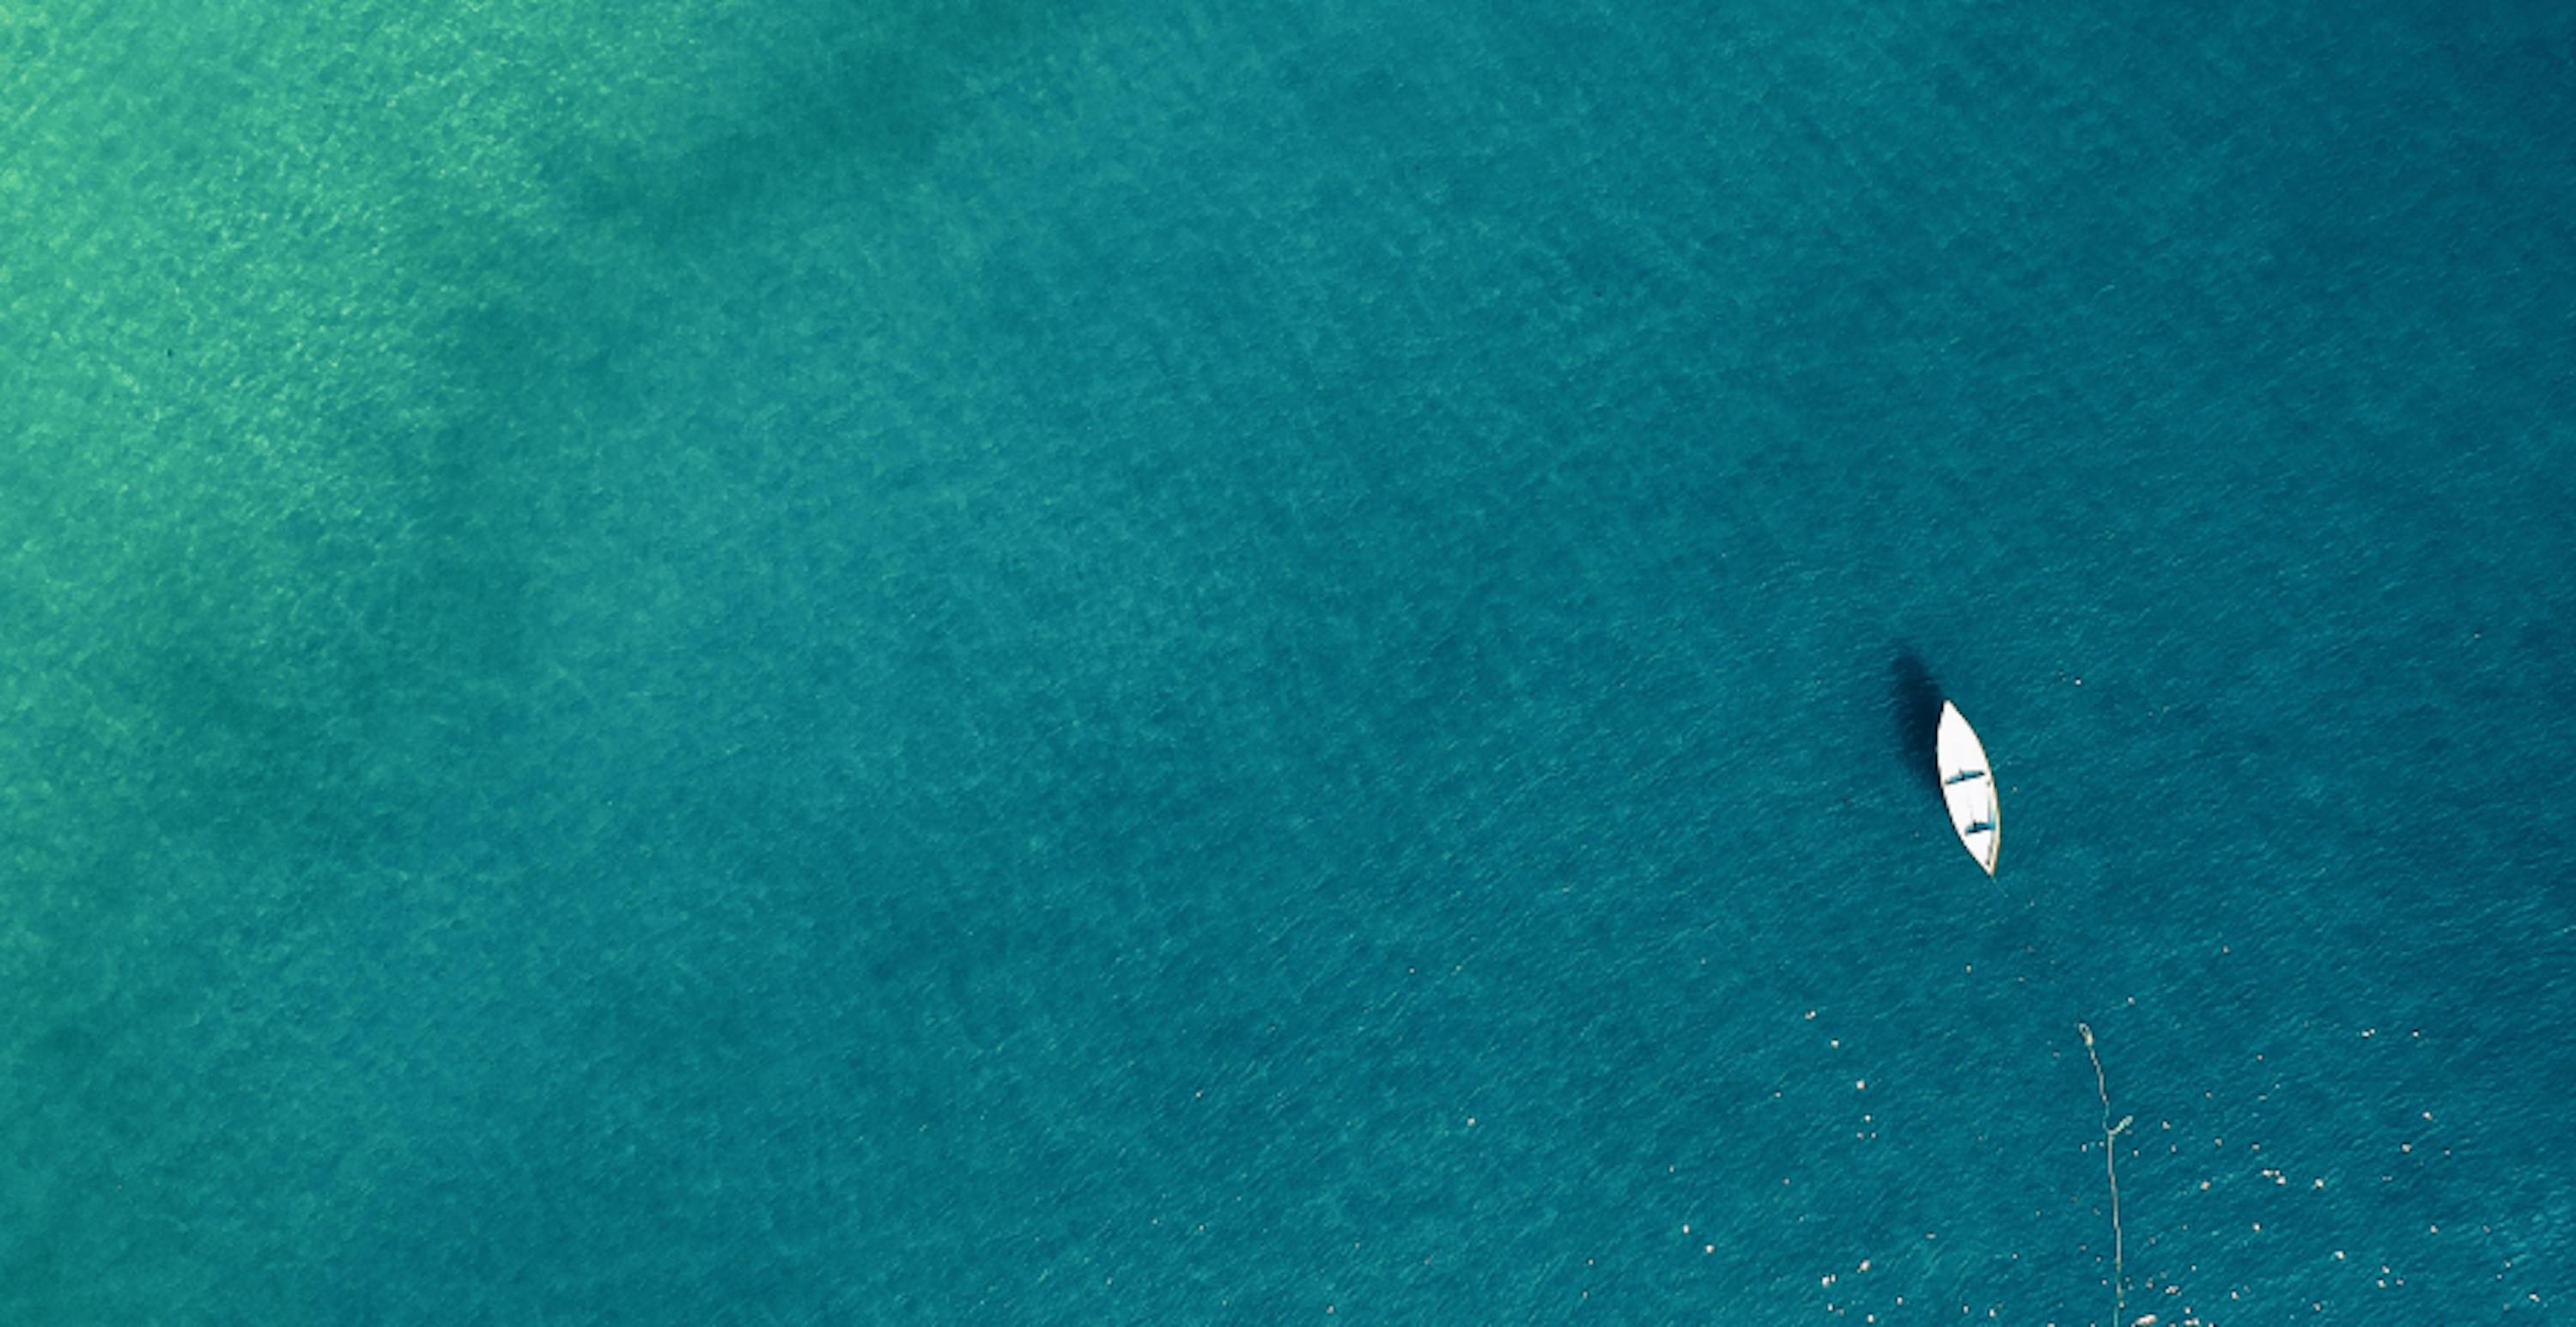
[[1968, 787]]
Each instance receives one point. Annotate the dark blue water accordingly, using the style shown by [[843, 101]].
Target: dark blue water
[[993, 663]]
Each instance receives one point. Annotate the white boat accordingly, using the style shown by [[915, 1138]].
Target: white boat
[[1968, 785]]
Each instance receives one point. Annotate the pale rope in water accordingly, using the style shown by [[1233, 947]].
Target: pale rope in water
[[2111, 1165]]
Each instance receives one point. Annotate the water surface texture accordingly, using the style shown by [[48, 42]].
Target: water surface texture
[[703, 663]]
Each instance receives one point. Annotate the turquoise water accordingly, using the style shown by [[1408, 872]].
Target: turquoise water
[[1134, 663]]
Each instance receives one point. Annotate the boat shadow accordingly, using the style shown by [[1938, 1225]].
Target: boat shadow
[[1914, 706]]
